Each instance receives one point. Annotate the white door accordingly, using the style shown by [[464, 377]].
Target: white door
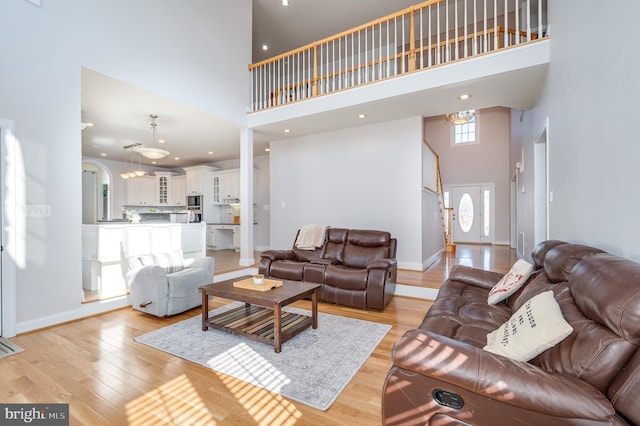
[[467, 207]]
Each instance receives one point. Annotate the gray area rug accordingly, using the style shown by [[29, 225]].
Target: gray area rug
[[313, 368], [8, 348]]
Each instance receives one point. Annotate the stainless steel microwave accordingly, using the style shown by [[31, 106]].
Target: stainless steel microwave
[[194, 201]]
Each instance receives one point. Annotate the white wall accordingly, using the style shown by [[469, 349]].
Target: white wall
[[485, 162], [590, 97], [366, 177], [179, 50], [433, 242]]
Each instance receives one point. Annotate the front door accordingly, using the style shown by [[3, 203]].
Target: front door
[[465, 221]]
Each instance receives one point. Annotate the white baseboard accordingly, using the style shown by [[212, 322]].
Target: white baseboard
[[417, 292], [85, 310], [430, 261], [102, 306], [411, 266]]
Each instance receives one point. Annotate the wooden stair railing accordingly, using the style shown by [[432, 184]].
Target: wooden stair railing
[[431, 33], [445, 213]]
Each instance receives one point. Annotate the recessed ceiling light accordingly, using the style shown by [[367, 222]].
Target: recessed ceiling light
[[103, 154], [176, 158], [287, 130], [285, 2], [265, 47], [464, 96], [210, 152], [362, 115], [154, 162], [267, 149]]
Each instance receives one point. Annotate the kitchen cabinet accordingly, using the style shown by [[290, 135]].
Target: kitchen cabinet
[[163, 185], [230, 186], [236, 237], [225, 186], [211, 236], [198, 180], [226, 236], [178, 191], [141, 191], [163, 189]]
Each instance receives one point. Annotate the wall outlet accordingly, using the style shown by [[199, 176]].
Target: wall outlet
[[37, 210]]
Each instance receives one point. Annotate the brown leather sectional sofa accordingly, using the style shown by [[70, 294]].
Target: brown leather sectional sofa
[[356, 267], [441, 375]]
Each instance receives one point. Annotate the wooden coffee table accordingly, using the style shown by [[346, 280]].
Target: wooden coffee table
[[261, 318]]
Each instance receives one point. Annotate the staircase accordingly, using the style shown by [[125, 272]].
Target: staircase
[[445, 214]]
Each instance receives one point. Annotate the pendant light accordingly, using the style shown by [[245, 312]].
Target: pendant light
[[155, 150]]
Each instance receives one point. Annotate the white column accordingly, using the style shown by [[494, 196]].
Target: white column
[[246, 197]]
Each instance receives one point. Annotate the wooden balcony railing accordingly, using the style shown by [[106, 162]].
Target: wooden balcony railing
[[429, 34]]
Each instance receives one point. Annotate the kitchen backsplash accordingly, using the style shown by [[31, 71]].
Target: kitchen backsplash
[[153, 209], [227, 213]]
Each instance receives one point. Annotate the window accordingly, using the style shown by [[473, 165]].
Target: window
[[465, 213], [488, 213], [447, 213], [486, 202], [467, 132]]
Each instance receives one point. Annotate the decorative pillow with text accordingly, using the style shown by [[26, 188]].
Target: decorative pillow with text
[[537, 326], [511, 282]]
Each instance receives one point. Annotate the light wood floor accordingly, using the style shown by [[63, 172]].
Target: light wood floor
[[94, 365]]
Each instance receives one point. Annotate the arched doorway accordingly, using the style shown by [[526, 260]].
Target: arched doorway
[[96, 192]]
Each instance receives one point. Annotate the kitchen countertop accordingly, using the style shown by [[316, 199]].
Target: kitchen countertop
[[226, 223], [151, 223]]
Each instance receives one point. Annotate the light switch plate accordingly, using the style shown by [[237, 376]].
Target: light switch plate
[[37, 210]]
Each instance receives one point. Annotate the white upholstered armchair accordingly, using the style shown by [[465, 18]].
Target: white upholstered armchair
[[161, 282]]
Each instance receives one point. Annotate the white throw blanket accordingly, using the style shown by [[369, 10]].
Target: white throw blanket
[[311, 237]]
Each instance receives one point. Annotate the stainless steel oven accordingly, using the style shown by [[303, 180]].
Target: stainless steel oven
[[194, 206]]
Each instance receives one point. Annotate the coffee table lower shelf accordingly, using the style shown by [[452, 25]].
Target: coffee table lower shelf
[[257, 323]]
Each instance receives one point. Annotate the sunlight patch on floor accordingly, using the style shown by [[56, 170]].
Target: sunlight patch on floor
[[266, 408], [246, 364], [176, 402]]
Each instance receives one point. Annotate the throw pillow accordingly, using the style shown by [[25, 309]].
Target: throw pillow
[[537, 326], [171, 261], [511, 282], [144, 260]]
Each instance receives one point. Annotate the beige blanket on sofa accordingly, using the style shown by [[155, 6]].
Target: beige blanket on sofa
[[311, 237]]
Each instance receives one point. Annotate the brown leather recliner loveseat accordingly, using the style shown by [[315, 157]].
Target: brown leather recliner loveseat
[[356, 267], [442, 375]]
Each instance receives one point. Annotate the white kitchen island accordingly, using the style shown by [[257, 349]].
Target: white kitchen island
[[103, 263]]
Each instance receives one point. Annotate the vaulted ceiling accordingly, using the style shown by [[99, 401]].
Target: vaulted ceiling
[[120, 111]]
